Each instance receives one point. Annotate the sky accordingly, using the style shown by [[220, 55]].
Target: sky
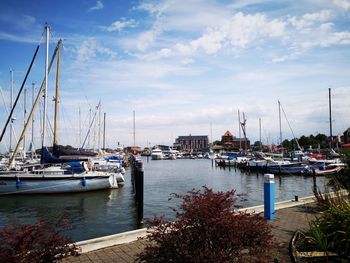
[[183, 67]]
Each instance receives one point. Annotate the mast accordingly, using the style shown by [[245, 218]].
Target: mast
[[104, 130], [279, 117], [11, 106], [134, 127], [56, 96], [79, 127], [99, 128], [24, 119], [260, 133], [89, 138], [32, 148], [239, 130], [38, 97], [330, 118], [92, 121], [244, 131], [47, 29]]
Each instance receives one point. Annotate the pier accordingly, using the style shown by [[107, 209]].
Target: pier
[[290, 216]]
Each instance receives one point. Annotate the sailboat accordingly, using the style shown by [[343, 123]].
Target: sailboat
[[53, 174]]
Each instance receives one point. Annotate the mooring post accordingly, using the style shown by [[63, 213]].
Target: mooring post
[[140, 191], [137, 180], [269, 197]]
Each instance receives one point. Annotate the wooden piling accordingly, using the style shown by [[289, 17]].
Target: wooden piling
[[137, 179]]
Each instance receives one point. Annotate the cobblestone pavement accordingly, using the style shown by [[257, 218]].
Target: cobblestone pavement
[[286, 222]]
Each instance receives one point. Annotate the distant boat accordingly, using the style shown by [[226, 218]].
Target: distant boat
[[330, 169], [293, 168], [157, 154]]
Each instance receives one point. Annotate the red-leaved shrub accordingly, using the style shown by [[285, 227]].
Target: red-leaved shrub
[[207, 229], [40, 242]]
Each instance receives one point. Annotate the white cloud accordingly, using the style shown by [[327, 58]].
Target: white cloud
[[89, 49], [309, 19], [98, 6], [122, 24], [344, 4]]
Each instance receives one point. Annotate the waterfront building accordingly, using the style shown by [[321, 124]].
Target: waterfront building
[[192, 143], [229, 140]]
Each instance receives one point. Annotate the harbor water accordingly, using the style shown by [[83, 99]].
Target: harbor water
[[100, 213]]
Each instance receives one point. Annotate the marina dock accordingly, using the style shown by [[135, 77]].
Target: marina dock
[[290, 216]]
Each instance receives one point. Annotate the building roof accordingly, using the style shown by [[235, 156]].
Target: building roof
[[228, 133], [193, 137]]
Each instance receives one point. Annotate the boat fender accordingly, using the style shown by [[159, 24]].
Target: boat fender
[[18, 182], [83, 182]]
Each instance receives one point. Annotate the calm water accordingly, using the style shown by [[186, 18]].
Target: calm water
[[100, 213]]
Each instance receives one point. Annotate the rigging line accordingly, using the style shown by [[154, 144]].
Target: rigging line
[[93, 119], [19, 92], [35, 104], [65, 116], [7, 111], [296, 140]]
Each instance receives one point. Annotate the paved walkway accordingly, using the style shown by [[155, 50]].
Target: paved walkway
[[287, 221]]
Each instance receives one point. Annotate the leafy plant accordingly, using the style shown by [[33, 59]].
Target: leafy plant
[[207, 229], [316, 238], [40, 242], [331, 230]]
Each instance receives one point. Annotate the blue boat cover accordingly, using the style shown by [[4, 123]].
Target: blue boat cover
[[48, 158]]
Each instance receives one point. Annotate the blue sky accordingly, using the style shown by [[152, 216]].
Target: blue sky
[[184, 65]]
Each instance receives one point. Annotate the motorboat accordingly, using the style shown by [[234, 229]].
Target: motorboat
[[157, 154]]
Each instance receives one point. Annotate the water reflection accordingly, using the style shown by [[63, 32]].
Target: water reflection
[[94, 214], [91, 214]]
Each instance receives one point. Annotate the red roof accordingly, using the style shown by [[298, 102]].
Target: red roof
[[228, 133]]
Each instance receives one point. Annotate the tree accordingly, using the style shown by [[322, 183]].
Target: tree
[[207, 229], [38, 243], [217, 143]]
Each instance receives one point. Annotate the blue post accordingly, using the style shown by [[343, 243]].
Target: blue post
[[269, 197]]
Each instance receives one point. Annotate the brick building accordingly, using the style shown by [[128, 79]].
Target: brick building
[[192, 143], [229, 140]]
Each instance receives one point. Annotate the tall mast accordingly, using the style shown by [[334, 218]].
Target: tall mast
[[38, 97], [99, 128], [89, 138], [32, 148], [56, 94], [11, 105], [279, 117], [24, 119], [244, 131], [239, 129], [47, 28], [104, 130], [79, 127], [330, 117], [260, 133], [134, 127]]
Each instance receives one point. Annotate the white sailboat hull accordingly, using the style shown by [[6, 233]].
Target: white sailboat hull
[[51, 184]]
